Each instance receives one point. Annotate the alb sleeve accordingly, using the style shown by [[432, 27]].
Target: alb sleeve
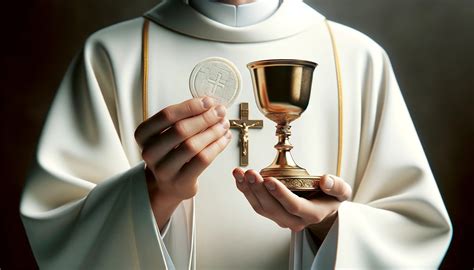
[[85, 203], [396, 218]]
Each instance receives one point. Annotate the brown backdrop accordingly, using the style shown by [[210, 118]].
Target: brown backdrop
[[430, 43]]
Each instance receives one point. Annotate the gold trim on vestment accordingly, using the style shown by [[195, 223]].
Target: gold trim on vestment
[[146, 25], [340, 99]]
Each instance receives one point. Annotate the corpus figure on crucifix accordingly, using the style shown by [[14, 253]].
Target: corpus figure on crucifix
[[244, 135], [243, 124]]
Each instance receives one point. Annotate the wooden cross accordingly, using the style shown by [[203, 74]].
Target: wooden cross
[[243, 124]]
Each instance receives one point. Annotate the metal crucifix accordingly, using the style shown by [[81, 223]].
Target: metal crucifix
[[243, 124]]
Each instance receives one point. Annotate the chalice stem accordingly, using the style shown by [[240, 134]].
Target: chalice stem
[[283, 133], [284, 158]]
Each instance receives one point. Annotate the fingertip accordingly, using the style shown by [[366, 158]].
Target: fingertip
[[221, 110], [279, 190], [251, 173], [207, 102], [279, 186], [252, 176], [270, 179], [228, 135], [347, 194], [240, 171], [239, 179], [240, 185], [327, 182], [269, 184], [324, 177], [238, 174], [237, 169]]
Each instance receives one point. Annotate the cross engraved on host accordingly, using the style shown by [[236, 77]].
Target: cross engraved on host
[[243, 124], [216, 83]]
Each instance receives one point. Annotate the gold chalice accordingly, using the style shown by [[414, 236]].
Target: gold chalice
[[282, 89]]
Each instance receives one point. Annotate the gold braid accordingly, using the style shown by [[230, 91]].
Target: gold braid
[[340, 100]]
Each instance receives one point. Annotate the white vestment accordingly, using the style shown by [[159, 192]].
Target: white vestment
[[85, 204]]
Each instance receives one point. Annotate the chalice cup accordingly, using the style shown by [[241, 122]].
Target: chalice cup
[[282, 89]]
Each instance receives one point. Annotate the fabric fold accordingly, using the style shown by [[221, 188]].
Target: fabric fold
[[84, 206]]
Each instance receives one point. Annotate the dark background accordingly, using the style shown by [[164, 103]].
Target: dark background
[[430, 43]]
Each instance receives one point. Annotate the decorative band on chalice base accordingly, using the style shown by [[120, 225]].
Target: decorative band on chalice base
[[282, 90]]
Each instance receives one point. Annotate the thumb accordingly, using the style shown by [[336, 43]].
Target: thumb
[[336, 187]]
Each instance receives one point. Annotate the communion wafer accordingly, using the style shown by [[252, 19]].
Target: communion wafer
[[216, 77]]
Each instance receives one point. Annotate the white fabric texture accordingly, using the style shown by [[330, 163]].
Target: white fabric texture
[[85, 203]]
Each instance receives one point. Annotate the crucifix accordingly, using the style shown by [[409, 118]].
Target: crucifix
[[243, 124]]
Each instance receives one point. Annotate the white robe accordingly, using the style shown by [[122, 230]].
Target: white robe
[[85, 204]]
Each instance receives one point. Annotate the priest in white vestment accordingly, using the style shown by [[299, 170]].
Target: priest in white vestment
[[87, 203]]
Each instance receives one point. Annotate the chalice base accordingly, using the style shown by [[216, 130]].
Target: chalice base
[[295, 179]]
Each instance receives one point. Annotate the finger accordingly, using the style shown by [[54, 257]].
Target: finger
[[295, 205], [170, 115], [173, 162], [271, 207], [336, 187], [238, 174], [199, 162], [159, 146], [244, 187]]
